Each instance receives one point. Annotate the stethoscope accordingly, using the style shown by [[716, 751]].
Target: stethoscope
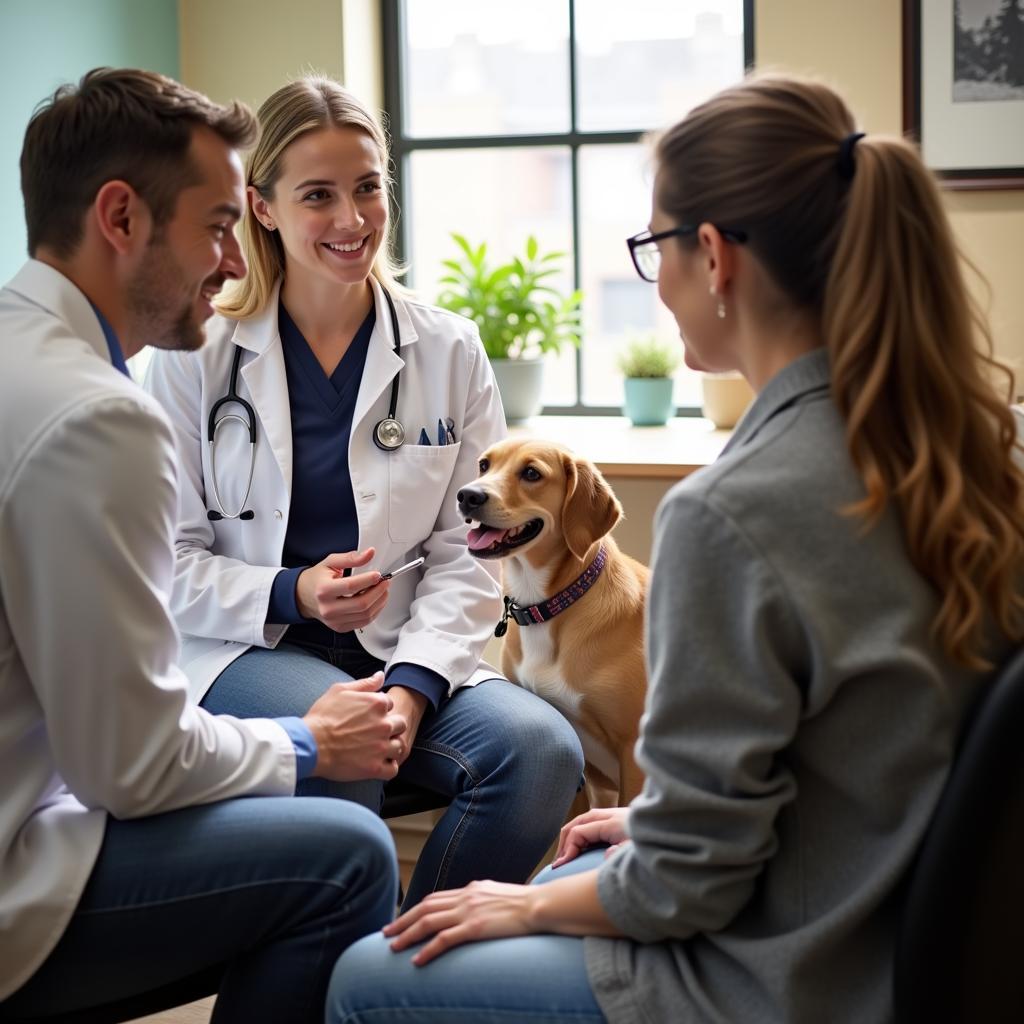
[[388, 434]]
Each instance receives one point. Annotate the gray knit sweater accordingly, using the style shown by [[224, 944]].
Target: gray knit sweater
[[799, 728]]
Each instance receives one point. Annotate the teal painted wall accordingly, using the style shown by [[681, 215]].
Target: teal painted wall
[[46, 42]]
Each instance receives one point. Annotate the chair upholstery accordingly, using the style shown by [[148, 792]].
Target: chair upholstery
[[960, 949], [407, 798]]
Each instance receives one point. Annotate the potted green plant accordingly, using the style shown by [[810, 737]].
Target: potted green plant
[[520, 315], [648, 365]]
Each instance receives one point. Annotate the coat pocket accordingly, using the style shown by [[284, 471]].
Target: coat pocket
[[418, 480]]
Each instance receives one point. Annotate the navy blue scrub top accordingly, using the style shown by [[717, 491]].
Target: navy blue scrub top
[[322, 517]]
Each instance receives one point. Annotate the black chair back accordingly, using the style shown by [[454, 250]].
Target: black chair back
[[960, 949]]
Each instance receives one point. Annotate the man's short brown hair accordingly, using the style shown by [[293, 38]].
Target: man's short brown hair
[[116, 124]]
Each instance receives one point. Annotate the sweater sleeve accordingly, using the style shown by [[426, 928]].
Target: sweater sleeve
[[725, 649]]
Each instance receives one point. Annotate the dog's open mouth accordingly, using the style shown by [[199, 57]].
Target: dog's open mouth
[[492, 542]]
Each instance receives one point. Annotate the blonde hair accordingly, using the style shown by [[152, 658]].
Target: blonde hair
[[867, 249], [306, 105]]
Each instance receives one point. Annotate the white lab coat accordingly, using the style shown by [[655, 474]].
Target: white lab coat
[[439, 617], [94, 714]]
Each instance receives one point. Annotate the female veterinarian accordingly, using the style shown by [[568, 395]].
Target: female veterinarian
[[324, 430], [823, 602]]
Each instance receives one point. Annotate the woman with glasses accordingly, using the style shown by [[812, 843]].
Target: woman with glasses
[[825, 600]]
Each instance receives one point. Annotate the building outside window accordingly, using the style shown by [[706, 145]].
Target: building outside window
[[529, 119]]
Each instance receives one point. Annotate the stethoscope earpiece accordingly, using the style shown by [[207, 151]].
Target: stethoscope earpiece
[[388, 434]]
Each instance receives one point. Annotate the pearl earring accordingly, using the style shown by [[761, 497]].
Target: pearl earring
[[721, 303]]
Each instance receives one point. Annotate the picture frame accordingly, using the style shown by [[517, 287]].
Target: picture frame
[[963, 90]]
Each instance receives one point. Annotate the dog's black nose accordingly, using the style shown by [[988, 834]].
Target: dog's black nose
[[470, 499]]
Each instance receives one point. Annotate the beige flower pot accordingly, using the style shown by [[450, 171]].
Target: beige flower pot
[[726, 397]]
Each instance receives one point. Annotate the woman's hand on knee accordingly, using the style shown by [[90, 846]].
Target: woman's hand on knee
[[357, 733], [482, 910], [599, 825]]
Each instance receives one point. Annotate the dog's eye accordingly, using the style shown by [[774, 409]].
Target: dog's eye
[[530, 474], [483, 465]]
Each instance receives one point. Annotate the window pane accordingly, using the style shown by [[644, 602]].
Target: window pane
[[497, 196], [617, 304], [477, 68], [647, 69]]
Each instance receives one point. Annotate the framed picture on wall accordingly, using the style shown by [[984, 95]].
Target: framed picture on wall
[[963, 89]]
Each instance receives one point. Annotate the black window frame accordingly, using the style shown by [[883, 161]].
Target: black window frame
[[392, 34]]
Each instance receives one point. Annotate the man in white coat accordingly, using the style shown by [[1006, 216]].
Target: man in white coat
[[127, 875]]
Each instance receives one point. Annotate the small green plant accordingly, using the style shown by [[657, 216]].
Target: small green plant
[[518, 313], [648, 357]]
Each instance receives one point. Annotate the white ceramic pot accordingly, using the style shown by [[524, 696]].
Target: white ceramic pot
[[519, 383]]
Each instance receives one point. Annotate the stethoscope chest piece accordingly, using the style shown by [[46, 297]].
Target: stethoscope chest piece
[[389, 434]]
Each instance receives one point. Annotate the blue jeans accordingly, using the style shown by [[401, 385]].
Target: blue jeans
[[537, 978], [508, 761], [269, 888]]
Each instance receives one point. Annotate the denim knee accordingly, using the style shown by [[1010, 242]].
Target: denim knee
[[374, 838], [365, 969], [549, 738], [344, 835]]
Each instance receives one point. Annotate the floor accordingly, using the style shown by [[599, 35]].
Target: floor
[[194, 1013]]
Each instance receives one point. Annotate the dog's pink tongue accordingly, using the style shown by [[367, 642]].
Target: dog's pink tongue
[[483, 537]]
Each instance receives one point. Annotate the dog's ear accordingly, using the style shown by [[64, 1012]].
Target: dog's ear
[[590, 508]]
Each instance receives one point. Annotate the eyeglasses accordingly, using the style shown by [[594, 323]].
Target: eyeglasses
[[643, 248]]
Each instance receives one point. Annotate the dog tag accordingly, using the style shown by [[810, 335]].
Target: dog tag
[[502, 627]]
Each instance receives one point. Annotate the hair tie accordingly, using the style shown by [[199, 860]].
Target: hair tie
[[845, 163]]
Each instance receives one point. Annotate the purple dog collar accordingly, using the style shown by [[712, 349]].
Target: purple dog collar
[[553, 606]]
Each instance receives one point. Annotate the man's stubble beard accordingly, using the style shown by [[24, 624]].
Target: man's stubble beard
[[151, 297]]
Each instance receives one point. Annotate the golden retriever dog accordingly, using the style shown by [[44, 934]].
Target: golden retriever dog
[[574, 602]]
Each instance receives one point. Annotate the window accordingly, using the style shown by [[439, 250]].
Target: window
[[509, 121]]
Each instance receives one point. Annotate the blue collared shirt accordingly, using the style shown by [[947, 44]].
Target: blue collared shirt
[[116, 353], [298, 732]]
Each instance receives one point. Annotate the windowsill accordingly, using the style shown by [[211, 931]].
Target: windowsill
[[619, 449]]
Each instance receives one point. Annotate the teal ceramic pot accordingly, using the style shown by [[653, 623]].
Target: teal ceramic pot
[[649, 400]]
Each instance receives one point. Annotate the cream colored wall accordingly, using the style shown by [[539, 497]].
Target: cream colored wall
[[245, 49], [857, 46], [639, 499]]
